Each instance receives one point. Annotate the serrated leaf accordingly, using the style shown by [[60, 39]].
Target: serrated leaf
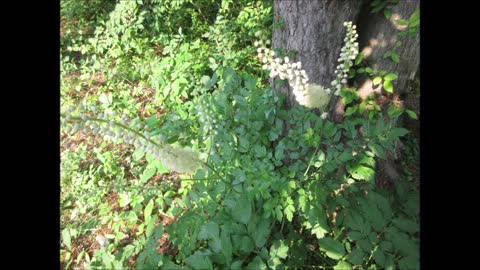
[[208, 231], [388, 86], [242, 211], [342, 265], [377, 80], [356, 256], [226, 246], [198, 261], [406, 225], [379, 257], [390, 77], [355, 235], [386, 245], [256, 263], [377, 150], [404, 244], [361, 172], [397, 132], [246, 244], [279, 249], [411, 114], [333, 248], [289, 210], [365, 245], [261, 233]]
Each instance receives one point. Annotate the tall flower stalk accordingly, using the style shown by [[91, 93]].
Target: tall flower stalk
[[182, 160], [307, 94]]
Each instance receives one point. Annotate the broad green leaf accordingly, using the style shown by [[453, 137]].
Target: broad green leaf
[[274, 263], [198, 261], [379, 257], [333, 248], [388, 86], [236, 264], [342, 265], [208, 231], [66, 238], [414, 18], [246, 244], [150, 225], [409, 262], [351, 110], [401, 22], [356, 256], [279, 249], [359, 58], [256, 264], [397, 132], [365, 245], [242, 211], [395, 58], [377, 80], [377, 150], [404, 244], [261, 233], [148, 211], [386, 245], [226, 246], [289, 210], [406, 225], [124, 200], [411, 114], [387, 13], [147, 174], [390, 77], [361, 172], [355, 235]]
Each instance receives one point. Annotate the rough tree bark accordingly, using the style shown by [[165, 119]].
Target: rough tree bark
[[315, 31]]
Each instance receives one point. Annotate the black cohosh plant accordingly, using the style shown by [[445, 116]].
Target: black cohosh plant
[[307, 94], [247, 207], [135, 133]]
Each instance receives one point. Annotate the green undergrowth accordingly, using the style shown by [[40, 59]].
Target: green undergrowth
[[266, 197]]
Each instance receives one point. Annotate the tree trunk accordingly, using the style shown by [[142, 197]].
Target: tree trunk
[[315, 31], [377, 35]]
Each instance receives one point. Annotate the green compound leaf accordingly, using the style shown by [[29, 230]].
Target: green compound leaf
[[242, 211], [343, 265], [333, 248]]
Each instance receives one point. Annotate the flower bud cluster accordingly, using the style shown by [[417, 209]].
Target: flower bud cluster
[[348, 53], [309, 95], [132, 132]]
